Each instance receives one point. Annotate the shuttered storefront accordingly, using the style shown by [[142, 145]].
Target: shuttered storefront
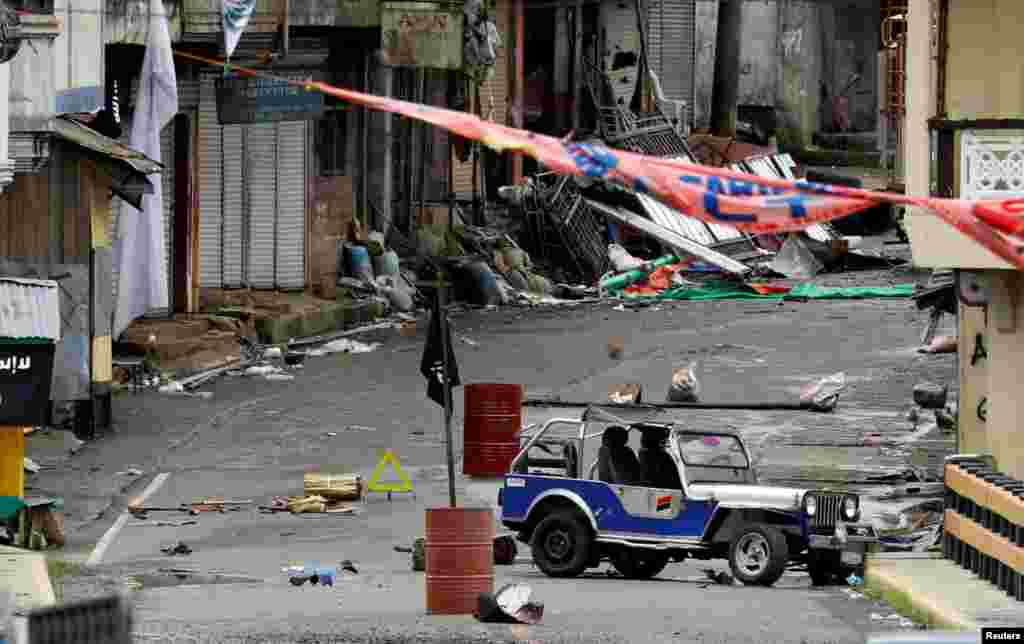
[[233, 206], [261, 186], [252, 201], [494, 95], [210, 187], [290, 260], [672, 49]]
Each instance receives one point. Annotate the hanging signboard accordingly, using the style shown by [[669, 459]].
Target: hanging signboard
[[243, 100], [422, 34], [26, 374]]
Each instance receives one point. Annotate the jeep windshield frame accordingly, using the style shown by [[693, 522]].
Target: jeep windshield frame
[[678, 435]]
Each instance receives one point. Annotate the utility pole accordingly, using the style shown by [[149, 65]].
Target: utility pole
[[726, 89]]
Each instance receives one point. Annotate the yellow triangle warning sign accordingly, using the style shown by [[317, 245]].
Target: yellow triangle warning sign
[[402, 485]]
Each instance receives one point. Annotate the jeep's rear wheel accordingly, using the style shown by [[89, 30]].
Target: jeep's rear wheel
[[639, 563], [758, 555], [562, 545]]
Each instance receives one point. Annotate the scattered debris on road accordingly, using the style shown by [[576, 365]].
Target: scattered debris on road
[[929, 395], [626, 393], [720, 577], [334, 487], [616, 347], [178, 549], [941, 344], [824, 394], [31, 466], [344, 345], [161, 524], [685, 387], [505, 550], [510, 605]]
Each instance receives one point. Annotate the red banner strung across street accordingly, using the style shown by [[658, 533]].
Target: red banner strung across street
[[746, 202]]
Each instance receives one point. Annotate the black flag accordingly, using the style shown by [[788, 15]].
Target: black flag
[[432, 365]]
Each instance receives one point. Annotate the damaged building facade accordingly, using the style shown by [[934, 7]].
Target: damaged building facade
[[58, 178], [809, 70]]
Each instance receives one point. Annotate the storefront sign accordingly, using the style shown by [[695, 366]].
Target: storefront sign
[[413, 36], [257, 100], [26, 371]]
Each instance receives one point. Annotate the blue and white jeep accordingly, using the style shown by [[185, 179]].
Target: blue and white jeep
[[684, 494]]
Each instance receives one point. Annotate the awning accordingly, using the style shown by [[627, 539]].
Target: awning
[[127, 168]]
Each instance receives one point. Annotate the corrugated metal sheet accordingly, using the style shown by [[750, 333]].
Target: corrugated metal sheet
[[188, 94], [90, 139], [210, 188], [763, 167], [676, 221], [261, 195], [290, 252], [671, 48], [718, 231], [29, 308], [233, 253], [494, 93]]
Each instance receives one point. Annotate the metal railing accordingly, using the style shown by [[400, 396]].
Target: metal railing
[[983, 524]]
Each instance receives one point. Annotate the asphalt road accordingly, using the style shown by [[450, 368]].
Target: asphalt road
[[254, 439]]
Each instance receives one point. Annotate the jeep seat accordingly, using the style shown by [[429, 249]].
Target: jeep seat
[[656, 464], [616, 462]]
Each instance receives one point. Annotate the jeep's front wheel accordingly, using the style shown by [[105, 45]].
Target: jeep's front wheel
[[758, 555], [561, 545], [639, 563]]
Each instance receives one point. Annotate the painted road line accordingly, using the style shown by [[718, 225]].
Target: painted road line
[[111, 534]]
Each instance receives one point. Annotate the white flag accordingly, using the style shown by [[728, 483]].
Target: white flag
[[236, 17], [140, 254]]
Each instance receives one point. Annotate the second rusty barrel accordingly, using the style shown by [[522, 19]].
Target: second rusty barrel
[[493, 419], [459, 559]]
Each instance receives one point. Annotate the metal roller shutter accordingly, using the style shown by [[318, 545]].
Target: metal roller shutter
[[261, 194], [210, 188], [234, 205], [290, 254], [188, 94], [672, 48]]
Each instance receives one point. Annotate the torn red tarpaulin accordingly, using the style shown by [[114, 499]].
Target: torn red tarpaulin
[[747, 202]]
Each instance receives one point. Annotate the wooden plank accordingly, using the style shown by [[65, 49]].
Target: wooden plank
[[966, 485], [1007, 506], [986, 542]]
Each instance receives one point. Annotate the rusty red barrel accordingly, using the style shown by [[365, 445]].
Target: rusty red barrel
[[460, 559], [493, 419]]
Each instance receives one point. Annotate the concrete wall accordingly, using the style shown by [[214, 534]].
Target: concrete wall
[[791, 47], [78, 53], [1005, 334], [971, 438], [983, 77], [983, 80]]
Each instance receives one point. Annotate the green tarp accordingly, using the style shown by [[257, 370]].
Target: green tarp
[[728, 291]]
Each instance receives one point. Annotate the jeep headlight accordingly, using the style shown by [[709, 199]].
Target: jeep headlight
[[810, 505], [851, 508]]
